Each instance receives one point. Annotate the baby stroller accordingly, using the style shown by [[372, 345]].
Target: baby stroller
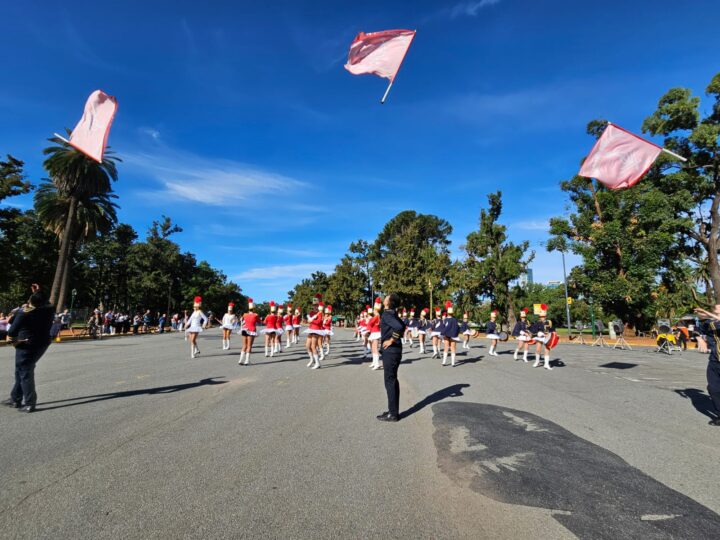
[[666, 340]]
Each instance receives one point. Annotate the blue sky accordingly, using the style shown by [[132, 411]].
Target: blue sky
[[238, 120]]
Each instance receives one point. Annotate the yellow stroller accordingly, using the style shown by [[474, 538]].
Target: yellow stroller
[[666, 341]]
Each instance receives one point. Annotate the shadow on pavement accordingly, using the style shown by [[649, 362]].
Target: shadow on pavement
[[454, 390], [700, 400], [82, 400]]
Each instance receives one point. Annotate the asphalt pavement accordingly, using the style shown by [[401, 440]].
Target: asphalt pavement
[[133, 439]]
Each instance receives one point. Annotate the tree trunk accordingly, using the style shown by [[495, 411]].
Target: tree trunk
[[62, 296], [511, 311], [64, 251]]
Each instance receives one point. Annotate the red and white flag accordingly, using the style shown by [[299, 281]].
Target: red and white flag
[[619, 158], [91, 133], [379, 53]]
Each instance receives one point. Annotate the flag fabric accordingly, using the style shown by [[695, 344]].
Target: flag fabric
[[379, 53], [619, 158], [91, 133]]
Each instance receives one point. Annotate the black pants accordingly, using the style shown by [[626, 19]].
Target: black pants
[[391, 358], [24, 389], [713, 378]]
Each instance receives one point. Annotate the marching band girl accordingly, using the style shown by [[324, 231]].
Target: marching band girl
[[296, 325], [450, 331], [422, 326], [289, 329], [364, 333], [248, 331], [374, 334], [491, 333], [465, 332], [406, 334], [436, 332], [521, 332], [327, 328], [195, 325], [229, 323], [542, 328], [412, 324], [277, 338], [315, 333], [269, 330]]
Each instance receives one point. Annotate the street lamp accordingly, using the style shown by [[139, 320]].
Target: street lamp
[[73, 294]]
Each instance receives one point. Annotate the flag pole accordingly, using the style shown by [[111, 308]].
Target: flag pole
[[382, 101], [61, 138], [673, 154]]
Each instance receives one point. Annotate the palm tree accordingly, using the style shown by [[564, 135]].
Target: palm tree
[[94, 214], [76, 177]]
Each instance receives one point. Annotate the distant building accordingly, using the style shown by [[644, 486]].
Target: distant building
[[526, 279], [553, 284]]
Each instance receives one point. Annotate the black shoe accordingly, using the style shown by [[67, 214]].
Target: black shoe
[[714, 422], [383, 415], [388, 418], [27, 408], [10, 403]]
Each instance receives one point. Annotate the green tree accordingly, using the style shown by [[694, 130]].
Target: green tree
[[411, 257], [346, 287], [678, 119], [76, 177], [303, 293], [493, 262], [12, 179]]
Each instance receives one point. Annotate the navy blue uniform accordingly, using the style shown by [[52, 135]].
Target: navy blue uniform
[[520, 326], [463, 327], [392, 327], [451, 329], [412, 322], [437, 325], [491, 328], [30, 330], [711, 329]]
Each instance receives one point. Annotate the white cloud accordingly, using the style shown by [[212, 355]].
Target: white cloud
[[295, 271], [150, 132], [470, 9], [184, 176]]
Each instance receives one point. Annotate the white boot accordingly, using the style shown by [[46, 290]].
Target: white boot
[[547, 362], [312, 360], [247, 358], [452, 359], [317, 363], [422, 348], [435, 351], [515, 354], [444, 362], [192, 352], [376, 362], [525, 359], [242, 355], [537, 360], [267, 351], [197, 351]]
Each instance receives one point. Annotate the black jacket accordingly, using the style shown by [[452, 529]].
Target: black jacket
[[391, 327], [31, 328]]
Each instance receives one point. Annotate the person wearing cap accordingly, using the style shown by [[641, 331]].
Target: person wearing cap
[[491, 332], [411, 330], [541, 329], [451, 330], [327, 328], [374, 334], [422, 328], [392, 329], [277, 338], [269, 330], [288, 326], [315, 334], [248, 331], [229, 323], [465, 331], [195, 324], [521, 332], [297, 317], [436, 326], [29, 332]]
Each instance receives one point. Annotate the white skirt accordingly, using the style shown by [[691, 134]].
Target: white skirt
[[229, 326], [467, 333], [245, 332], [268, 331], [296, 326], [314, 332], [374, 336], [422, 332], [435, 334], [364, 330], [523, 338], [329, 333], [492, 336], [195, 329], [289, 328]]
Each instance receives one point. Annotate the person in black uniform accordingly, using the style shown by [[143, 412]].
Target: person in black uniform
[[451, 329], [541, 329], [30, 334], [711, 329], [521, 332], [392, 330]]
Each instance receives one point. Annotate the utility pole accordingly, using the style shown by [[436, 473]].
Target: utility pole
[[567, 298]]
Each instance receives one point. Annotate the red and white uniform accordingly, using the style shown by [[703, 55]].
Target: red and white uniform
[[249, 326], [279, 325], [373, 326], [296, 321], [327, 325], [269, 322], [287, 321], [315, 319]]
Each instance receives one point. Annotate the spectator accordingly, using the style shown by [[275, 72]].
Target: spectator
[[66, 322], [4, 324], [161, 323], [147, 321], [137, 320]]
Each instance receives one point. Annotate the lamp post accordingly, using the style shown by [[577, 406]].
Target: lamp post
[[567, 298], [73, 294]]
